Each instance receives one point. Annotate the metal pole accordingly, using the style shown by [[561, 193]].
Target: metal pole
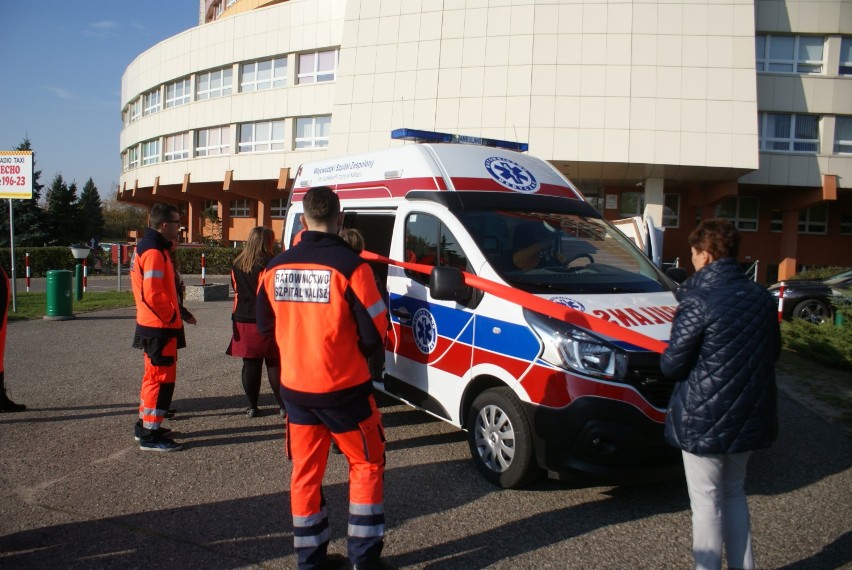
[[12, 250]]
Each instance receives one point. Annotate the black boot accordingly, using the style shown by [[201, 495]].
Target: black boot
[[7, 405]]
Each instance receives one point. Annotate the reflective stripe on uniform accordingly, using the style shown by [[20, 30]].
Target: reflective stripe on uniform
[[360, 509], [310, 520], [152, 273], [376, 309], [364, 531], [311, 530], [307, 541], [366, 520]]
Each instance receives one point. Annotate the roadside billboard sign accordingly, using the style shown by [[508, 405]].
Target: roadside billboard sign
[[16, 174]]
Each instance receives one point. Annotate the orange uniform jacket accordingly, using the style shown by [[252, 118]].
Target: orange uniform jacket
[[152, 276], [320, 300]]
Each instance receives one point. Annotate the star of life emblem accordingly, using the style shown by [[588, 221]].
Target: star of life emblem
[[569, 302], [425, 331], [511, 174]]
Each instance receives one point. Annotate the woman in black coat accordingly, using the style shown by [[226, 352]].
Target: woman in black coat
[[246, 342], [724, 343]]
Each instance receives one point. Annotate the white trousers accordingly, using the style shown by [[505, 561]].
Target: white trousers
[[719, 510]]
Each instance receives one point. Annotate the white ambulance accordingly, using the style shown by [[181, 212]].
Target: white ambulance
[[517, 313]]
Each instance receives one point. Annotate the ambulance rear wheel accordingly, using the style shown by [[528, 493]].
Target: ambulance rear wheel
[[500, 439]]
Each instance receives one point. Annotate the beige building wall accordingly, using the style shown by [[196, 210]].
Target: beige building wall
[[827, 95], [593, 85]]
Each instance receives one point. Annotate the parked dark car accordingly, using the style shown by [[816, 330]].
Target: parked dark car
[[812, 300]]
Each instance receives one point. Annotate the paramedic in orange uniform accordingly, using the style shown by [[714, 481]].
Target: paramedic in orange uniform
[[159, 328], [321, 302]]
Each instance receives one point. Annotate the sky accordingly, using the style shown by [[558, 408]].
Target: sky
[[63, 66]]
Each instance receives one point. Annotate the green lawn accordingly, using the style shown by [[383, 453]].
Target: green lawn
[[34, 305]]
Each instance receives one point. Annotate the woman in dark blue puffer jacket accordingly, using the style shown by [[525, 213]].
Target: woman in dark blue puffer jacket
[[724, 343]]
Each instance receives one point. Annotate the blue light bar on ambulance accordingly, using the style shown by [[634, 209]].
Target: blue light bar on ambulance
[[436, 137]]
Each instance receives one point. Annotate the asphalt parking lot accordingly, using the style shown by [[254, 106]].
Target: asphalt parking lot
[[78, 493]]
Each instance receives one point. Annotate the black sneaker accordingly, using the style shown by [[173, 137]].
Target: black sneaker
[[252, 412], [161, 431], [162, 443]]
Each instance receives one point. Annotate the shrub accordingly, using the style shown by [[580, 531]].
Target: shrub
[[819, 274], [830, 345], [218, 260], [42, 260]]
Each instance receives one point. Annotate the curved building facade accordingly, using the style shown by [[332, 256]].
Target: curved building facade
[[661, 109]]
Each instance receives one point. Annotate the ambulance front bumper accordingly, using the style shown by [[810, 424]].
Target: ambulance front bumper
[[603, 439]]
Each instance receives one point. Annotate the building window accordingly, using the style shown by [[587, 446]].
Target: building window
[[846, 223], [240, 208], [150, 102], [843, 135], [845, 57], [789, 54], [151, 152], [135, 110], [213, 141], [793, 133], [176, 147], [212, 84], [632, 204], [776, 220], [132, 157], [318, 66], [814, 220], [261, 136], [312, 132], [278, 207], [741, 211], [211, 207], [671, 210], [266, 74], [178, 93]]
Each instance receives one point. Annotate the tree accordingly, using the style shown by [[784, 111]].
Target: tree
[[91, 210], [30, 222], [119, 217], [63, 213]]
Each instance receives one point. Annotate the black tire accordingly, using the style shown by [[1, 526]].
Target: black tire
[[500, 439], [813, 310]]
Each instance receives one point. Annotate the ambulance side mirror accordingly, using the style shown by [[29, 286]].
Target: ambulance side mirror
[[447, 284], [676, 274]]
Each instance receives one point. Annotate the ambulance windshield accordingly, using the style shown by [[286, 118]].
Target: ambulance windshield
[[548, 252]]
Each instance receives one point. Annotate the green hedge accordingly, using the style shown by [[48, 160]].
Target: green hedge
[[218, 260], [820, 274]]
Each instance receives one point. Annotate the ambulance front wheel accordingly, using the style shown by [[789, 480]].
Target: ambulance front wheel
[[500, 439]]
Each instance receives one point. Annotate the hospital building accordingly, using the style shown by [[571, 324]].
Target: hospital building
[[675, 110]]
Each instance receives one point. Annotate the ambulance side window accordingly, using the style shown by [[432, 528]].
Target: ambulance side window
[[428, 241], [377, 229]]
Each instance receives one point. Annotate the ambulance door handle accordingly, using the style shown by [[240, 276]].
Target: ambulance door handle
[[402, 313]]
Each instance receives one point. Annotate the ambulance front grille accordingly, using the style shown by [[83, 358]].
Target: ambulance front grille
[[644, 374]]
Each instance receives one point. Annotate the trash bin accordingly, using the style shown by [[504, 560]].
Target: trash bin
[[58, 288]]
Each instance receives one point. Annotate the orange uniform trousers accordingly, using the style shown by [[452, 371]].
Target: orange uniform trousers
[[357, 429], [158, 381]]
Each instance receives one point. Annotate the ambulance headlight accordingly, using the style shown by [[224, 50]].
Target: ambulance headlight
[[578, 350]]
